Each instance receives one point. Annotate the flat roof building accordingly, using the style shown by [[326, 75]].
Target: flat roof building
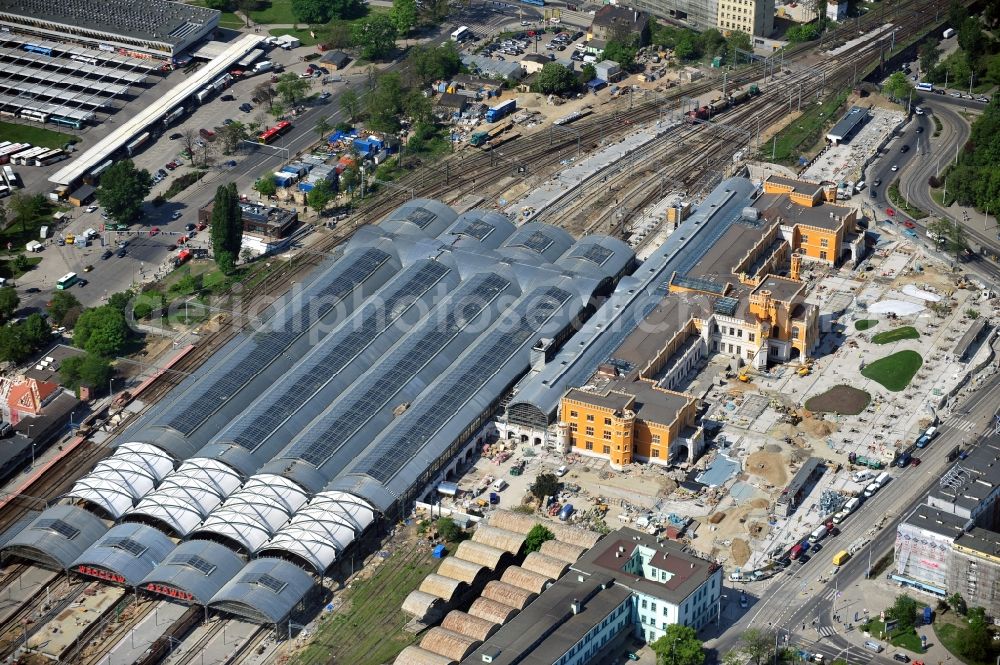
[[847, 125], [140, 28]]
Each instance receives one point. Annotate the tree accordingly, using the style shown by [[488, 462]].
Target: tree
[[88, 370], [435, 11], [687, 47], [350, 104], [425, 64], [622, 52], [679, 646], [805, 32], [9, 302], [35, 332], [323, 127], [13, 346], [291, 88], [904, 611], [448, 530], [312, 11], [122, 190], [739, 40], [555, 79], [26, 207], [404, 15], [538, 535], [265, 93], [758, 644], [375, 36], [971, 38], [588, 73], [350, 178], [418, 108], [121, 301], [977, 641], [898, 87], [101, 331], [320, 195], [20, 263], [3, 217], [546, 484], [266, 186], [227, 227], [336, 35], [231, 135], [928, 53], [957, 603], [385, 104], [60, 305]]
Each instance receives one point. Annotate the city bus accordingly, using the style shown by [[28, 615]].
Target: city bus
[[274, 132], [461, 34], [925, 87], [65, 121], [67, 281]]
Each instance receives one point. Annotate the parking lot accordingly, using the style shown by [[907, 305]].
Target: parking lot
[[555, 41]]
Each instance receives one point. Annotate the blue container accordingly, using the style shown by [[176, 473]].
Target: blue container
[[439, 551], [566, 511]]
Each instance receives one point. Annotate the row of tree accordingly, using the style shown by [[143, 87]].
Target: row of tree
[[975, 179]]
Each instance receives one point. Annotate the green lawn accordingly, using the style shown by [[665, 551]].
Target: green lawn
[[896, 335], [805, 131], [949, 634], [895, 371], [907, 639], [865, 324], [897, 200], [275, 11], [227, 20], [368, 627], [35, 135]]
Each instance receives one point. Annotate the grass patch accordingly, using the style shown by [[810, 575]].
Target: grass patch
[[182, 183], [302, 35], [905, 639], [865, 324], [9, 270], [36, 136], [275, 11], [896, 335], [894, 372], [805, 131], [227, 19], [937, 125], [950, 632], [18, 234], [845, 400], [368, 627], [901, 203]]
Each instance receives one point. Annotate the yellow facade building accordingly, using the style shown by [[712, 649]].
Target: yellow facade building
[[754, 17]]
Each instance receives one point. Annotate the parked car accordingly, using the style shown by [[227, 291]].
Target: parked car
[[228, 98], [189, 227], [900, 657], [227, 121], [915, 461], [171, 247], [175, 136], [177, 214], [88, 268], [246, 108], [911, 233], [82, 282], [107, 255], [122, 252], [92, 208], [231, 163]]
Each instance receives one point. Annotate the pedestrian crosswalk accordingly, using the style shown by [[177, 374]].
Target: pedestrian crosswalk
[[826, 631], [960, 424], [830, 594]]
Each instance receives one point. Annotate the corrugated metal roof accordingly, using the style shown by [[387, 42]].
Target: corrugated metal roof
[[129, 550], [634, 297], [199, 568], [479, 228], [265, 591], [57, 537], [420, 216], [598, 256]]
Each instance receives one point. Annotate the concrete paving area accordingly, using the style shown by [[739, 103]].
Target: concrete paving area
[[847, 161]]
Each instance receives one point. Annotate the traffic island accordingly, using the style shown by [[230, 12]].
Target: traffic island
[[896, 335], [894, 372], [865, 324]]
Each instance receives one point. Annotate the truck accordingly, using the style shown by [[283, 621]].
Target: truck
[[33, 246], [841, 557], [501, 111], [818, 534], [848, 508], [263, 66], [948, 33], [876, 485], [861, 460]]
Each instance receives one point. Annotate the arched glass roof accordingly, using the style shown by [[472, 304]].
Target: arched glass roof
[[253, 514], [57, 537], [194, 572], [321, 530], [265, 591], [117, 482], [188, 495], [125, 554]]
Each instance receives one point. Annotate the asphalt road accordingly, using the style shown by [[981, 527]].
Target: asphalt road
[[804, 595]]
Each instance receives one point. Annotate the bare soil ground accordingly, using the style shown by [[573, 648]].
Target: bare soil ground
[[842, 399], [740, 551], [772, 467]]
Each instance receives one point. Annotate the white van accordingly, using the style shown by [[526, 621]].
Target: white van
[[499, 485], [871, 490], [861, 476], [872, 645]]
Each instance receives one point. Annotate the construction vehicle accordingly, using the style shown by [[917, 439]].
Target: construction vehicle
[[805, 370], [744, 378]]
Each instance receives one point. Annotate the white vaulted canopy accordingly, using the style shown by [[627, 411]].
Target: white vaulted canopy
[[117, 482], [188, 495], [255, 512], [323, 529]]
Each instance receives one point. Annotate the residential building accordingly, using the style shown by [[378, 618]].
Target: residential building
[[25, 397], [629, 583], [696, 14], [621, 23], [265, 228], [533, 62], [754, 17]]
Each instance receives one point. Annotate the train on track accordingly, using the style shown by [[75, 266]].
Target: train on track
[[718, 106]]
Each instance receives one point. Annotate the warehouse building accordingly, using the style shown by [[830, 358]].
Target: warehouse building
[[848, 125], [156, 29], [366, 387]]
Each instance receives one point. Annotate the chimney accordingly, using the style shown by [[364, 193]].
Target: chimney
[[576, 606]]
